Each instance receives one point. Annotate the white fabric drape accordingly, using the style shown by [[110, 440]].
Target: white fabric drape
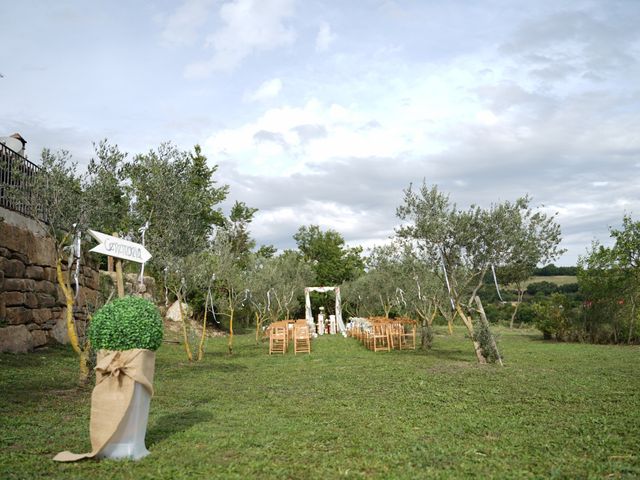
[[307, 306]]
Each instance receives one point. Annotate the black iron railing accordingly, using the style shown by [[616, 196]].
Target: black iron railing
[[17, 175]]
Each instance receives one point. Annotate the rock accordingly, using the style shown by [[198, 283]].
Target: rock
[[45, 286], [41, 315], [1, 280], [50, 274], [45, 300], [59, 332], [173, 312], [11, 299], [18, 315], [31, 300], [19, 257], [39, 250], [13, 268], [19, 284], [15, 339], [35, 272], [39, 338]]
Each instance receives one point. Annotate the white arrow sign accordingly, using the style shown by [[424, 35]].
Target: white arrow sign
[[120, 248]]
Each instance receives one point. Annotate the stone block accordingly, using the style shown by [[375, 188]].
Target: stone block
[[19, 284], [16, 339], [31, 300], [59, 332], [39, 338], [32, 326], [12, 299], [38, 249], [41, 315], [92, 281], [44, 286], [12, 268], [45, 300], [1, 280], [35, 272], [18, 315], [4, 252], [50, 274], [21, 257]]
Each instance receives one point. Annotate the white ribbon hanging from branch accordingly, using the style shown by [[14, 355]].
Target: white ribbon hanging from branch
[[209, 299], [77, 243], [142, 231], [401, 299], [495, 281], [446, 278]]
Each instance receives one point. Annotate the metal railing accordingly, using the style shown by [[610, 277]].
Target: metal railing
[[16, 183]]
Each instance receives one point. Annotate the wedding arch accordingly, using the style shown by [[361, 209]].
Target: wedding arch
[[307, 306]]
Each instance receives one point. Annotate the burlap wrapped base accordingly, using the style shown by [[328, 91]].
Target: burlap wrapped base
[[116, 374]]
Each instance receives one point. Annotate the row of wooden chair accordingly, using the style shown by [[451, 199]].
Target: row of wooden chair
[[280, 334], [384, 334]]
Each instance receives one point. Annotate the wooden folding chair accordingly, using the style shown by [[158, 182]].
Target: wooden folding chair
[[301, 339], [380, 337], [278, 339], [407, 334]]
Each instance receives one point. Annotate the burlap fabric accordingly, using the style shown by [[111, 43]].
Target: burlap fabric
[[116, 374]]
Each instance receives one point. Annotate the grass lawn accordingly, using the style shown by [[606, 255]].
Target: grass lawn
[[554, 411]]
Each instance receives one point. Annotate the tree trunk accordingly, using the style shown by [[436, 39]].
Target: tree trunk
[[185, 337], [119, 276], [476, 345], [515, 310], [449, 319], [426, 335], [230, 342], [71, 324], [258, 324], [483, 319], [633, 320], [204, 332]]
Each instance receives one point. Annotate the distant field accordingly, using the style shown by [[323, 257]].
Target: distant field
[[557, 279]]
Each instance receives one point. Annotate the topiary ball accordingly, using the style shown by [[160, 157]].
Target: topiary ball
[[126, 323]]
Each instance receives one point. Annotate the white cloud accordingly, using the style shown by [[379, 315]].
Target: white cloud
[[183, 25], [268, 90], [325, 37], [249, 26]]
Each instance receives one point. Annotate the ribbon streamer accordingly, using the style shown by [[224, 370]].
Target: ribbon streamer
[[495, 281], [142, 231], [446, 278]]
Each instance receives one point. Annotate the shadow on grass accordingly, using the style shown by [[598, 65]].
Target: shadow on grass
[[455, 355], [174, 423]]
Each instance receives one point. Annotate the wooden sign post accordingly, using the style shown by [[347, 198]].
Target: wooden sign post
[[122, 250]]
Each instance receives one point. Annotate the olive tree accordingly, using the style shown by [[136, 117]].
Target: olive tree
[[609, 277], [54, 198], [468, 242]]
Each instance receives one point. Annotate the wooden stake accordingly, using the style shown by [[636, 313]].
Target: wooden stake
[[119, 276]]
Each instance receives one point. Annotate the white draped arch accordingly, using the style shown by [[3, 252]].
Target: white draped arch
[[309, 314]]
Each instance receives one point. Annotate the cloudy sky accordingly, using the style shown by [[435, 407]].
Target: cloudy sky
[[322, 111]]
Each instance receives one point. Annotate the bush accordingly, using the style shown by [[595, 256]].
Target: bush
[[126, 323], [544, 288]]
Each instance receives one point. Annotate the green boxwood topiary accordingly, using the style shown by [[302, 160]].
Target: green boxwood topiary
[[126, 323]]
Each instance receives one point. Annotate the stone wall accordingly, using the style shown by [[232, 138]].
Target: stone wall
[[32, 305]]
